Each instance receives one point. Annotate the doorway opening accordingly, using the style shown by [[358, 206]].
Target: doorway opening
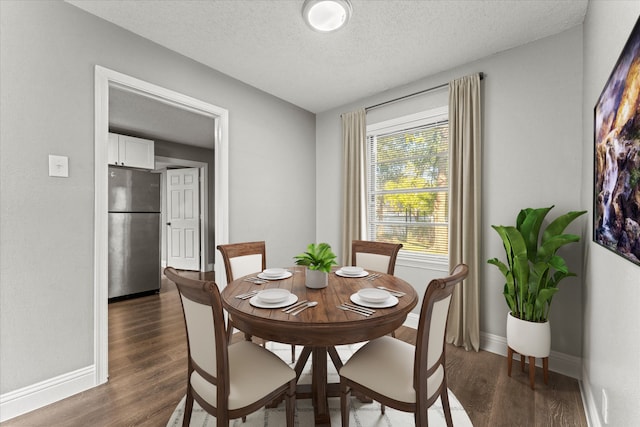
[[163, 164], [104, 79]]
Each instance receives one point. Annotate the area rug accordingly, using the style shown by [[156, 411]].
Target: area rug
[[362, 414]]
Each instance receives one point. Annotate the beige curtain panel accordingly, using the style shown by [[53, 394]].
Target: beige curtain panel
[[354, 133], [465, 162]]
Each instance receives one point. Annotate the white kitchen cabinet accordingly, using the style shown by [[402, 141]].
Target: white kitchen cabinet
[[130, 151], [112, 153]]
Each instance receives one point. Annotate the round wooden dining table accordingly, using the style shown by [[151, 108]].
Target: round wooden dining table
[[320, 328]]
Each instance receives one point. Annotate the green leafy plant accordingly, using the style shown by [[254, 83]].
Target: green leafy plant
[[533, 269], [317, 257]]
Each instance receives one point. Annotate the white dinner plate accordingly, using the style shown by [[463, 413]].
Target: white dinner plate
[[373, 295], [274, 295], [351, 270], [390, 302], [284, 276], [257, 303], [363, 274], [274, 272]]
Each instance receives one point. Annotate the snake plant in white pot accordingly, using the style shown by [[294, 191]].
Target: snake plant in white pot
[[318, 259], [533, 272]]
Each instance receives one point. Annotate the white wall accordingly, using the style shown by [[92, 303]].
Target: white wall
[[532, 100], [47, 58], [611, 349]]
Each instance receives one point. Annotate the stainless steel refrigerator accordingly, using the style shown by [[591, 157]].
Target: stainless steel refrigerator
[[134, 232]]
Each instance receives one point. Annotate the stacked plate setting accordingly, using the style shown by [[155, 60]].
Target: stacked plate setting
[[275, 274], [273, 298], [349, 271], [374, 298]]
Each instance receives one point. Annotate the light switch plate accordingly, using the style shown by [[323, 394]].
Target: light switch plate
[[58, 166]]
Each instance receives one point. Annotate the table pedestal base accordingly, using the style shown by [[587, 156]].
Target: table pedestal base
[[319, 391], [319, 386]]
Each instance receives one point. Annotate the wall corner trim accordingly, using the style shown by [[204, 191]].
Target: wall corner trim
[[589, 401]]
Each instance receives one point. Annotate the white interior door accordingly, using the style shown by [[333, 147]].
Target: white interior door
[[183, 219]]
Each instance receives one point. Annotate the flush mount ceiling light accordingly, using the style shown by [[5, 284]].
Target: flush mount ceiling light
[[326, 15]]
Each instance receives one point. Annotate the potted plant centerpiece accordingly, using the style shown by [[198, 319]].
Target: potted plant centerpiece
[[318, 259], [533, 272]]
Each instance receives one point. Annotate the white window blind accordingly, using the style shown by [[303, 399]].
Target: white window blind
[[408, 183]]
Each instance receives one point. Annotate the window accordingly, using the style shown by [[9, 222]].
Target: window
[[408, 183]]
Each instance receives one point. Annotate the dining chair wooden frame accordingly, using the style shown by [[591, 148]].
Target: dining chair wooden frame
[[245, 250], [214, 365], [414, 386], [373, 255], [236, 250], [377, 249]]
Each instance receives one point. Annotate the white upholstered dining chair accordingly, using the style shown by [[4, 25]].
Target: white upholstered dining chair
[[227, 381], [241, 259], [376, 256], [406, 377]]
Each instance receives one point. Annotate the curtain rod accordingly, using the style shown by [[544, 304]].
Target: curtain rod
[[391, 101]]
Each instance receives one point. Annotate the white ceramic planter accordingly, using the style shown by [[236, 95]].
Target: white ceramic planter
[[316, 279], [529, 338]]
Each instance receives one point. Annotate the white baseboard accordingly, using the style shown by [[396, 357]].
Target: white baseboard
[[589, 401], [36, 396], [411, 321], [561, 363]]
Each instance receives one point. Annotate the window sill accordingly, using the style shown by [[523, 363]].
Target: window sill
[[423, 261]]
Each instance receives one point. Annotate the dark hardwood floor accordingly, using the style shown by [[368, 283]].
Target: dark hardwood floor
[[147, 370]]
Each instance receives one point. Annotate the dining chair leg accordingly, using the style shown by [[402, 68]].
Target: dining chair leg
[[222, 420], [293, 353], [382, 408], [188, 407], [290, 403], [421, 418], [344, 403], [446, 408]]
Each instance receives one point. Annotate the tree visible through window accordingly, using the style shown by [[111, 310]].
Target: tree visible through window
[[408, 183]]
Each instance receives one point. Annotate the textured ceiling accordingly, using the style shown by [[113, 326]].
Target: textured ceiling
[[387, 43]]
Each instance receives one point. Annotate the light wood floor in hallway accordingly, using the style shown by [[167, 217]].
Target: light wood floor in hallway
[[147, 367]]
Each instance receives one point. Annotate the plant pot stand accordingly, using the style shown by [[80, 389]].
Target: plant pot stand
[[529, 339], [532, 366]]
